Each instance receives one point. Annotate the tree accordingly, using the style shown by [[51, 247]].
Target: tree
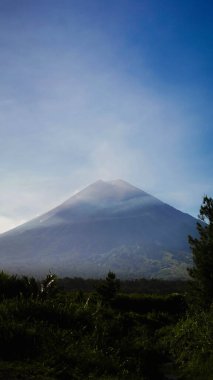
[[109, 288], [202, 252]]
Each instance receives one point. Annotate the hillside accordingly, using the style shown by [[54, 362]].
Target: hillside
[[106, 226]]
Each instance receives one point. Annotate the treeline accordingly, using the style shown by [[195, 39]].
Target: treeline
[[143, 285], [50, 333]]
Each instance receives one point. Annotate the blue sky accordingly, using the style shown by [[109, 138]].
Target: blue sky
[[95, 89]]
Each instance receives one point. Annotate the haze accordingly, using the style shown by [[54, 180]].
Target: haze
[[96, 89]]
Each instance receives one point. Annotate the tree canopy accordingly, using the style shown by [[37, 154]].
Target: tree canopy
[[202, 252]]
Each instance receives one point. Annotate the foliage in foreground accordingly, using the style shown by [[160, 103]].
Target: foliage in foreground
[[47, 333], [190, 341], [202, 251]]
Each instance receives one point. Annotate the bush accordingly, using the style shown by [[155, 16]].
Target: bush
[[191, 344], [171, 304]]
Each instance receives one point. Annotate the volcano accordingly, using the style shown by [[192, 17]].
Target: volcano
[[109, 225]]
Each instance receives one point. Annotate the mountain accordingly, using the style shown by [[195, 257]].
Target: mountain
[[107, 226]]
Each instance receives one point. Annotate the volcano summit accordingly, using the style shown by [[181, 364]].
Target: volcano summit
[[107, 226]]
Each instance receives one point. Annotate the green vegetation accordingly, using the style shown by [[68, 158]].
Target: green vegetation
[[49, 333], [141, 286], [202, 251], [94, 329], [190, 341]]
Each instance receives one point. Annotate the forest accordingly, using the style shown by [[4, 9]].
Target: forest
[[66, 329]]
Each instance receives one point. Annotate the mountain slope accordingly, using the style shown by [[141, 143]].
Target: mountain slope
[[108, 225]]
